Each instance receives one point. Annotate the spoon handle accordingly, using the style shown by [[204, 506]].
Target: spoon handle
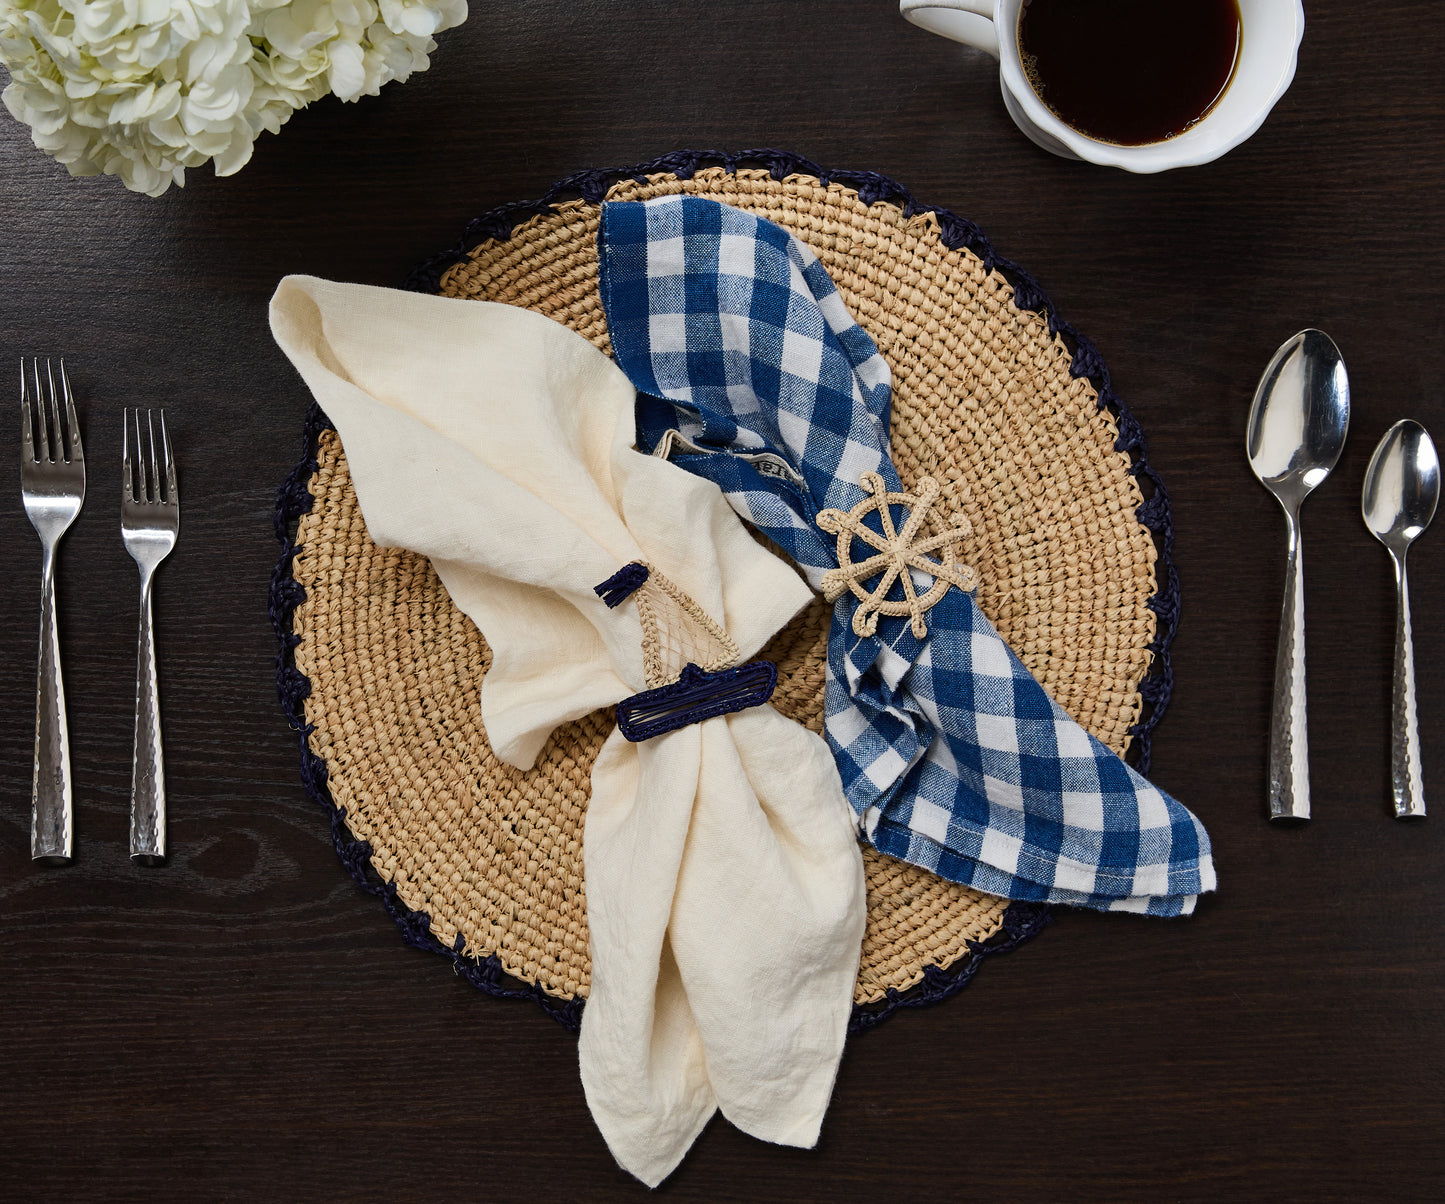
[[1289, 767], [1406, 778]]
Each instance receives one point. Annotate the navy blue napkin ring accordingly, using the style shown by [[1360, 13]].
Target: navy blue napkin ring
[[698, 693]]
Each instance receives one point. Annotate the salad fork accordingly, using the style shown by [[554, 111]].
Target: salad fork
[[150, 520], [52, 484]]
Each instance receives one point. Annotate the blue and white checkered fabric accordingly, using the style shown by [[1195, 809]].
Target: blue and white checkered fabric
[[951, 753]]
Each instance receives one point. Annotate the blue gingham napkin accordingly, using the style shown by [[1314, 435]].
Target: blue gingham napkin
[[752, 373]]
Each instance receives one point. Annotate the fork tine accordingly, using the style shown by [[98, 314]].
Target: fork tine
[[42, 445], [171, 498], [56, 430], [141, 487], [153, 482], [27, 435], [75, 452], [142, 465], [127, 483]]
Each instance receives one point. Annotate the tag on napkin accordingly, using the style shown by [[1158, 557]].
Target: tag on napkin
[[725, 887], [952, 755]]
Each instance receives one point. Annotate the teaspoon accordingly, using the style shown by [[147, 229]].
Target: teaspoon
[[1402, 486], [1297, 428]]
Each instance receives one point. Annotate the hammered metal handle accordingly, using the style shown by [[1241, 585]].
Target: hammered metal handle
[[51, 807], [1289, 768], [148, 770], [1407, 781]]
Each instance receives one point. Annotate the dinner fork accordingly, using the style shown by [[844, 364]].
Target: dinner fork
[[52, 484], [150, 520]]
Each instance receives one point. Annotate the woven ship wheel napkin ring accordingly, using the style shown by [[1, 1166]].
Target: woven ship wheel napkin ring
[[899, 554]]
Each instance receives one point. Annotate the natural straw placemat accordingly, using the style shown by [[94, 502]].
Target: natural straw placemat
[[994, 396]]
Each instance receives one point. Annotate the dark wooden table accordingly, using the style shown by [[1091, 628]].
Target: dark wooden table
[[245, 1024]]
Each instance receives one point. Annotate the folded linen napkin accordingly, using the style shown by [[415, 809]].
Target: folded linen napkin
[[725, 888], [953, 756]]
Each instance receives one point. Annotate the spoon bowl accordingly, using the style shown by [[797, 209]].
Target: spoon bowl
[[1402, 486], [1299, 418], [1297, 428]]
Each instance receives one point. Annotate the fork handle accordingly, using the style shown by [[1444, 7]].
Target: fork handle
[[148, 771], [51, 814]]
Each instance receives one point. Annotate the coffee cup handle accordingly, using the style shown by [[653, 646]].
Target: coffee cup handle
[[966, 21]]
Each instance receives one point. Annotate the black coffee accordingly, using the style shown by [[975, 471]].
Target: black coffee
[[1129, 71]]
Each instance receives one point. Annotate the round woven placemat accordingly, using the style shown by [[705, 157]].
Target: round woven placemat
[[994, 397]]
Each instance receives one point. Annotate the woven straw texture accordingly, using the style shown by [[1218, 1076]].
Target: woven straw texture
[[983, 401]]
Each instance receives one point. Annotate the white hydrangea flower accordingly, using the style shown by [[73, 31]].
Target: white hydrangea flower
[[144, 89], [422, 18]]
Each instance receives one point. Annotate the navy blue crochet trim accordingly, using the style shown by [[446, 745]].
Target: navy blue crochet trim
[[1021, 922], [293, 687], [957, 232]]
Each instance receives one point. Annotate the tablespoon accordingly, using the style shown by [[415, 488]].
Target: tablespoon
[[1402, 486], [1297, 428]]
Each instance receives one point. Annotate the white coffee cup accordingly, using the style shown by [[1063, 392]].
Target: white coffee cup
[[1269, 44]]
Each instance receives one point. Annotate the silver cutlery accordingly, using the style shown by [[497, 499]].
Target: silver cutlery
[[1297, 428], [1402, 486], [52, 483], [150, 520]]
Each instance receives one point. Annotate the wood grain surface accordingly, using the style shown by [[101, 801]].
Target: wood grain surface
[[244, 1024]]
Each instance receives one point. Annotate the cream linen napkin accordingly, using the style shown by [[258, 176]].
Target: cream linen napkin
[[725, 889]]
